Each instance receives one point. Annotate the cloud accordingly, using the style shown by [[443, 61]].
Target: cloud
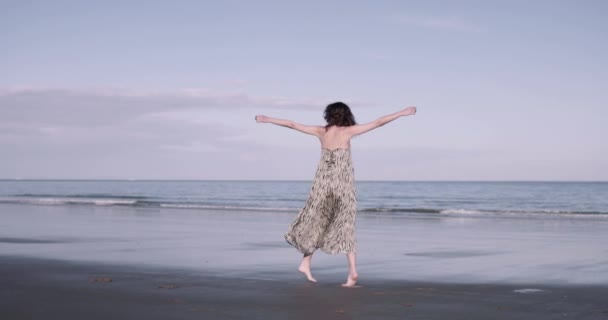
[[37, 123], [109, 133], [445, 23], [22, 107]]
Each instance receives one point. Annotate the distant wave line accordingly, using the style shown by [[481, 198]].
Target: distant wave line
[[112, 200], [85, 195]]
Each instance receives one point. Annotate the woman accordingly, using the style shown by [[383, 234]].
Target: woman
[[327, 221]]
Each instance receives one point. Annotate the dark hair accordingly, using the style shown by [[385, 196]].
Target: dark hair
[[338, 114]]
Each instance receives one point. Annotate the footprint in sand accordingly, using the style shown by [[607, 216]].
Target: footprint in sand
[[176, 301], [101, 279]]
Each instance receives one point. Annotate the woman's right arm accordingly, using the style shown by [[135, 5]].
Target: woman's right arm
[[312, 130], [363, 128]]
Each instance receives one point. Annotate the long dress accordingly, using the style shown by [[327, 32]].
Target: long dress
[[327, 220]]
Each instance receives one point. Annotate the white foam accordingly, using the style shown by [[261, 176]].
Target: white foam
[[200, 206], [527, 290], [545, 213], [462, 211], [66, 200]]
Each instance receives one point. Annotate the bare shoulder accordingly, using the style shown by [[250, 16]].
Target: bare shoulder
[[312, 130], [320, 130], [358, 129]]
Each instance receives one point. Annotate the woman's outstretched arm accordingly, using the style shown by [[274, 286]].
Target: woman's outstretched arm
[[313, 130], [363, 128]]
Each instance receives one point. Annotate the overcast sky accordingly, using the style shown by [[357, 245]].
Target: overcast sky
[[505, 90]]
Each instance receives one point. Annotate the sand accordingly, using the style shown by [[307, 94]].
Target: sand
[[53, 289]]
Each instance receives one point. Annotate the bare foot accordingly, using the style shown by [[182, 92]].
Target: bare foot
[[306, 271], [351, 281]]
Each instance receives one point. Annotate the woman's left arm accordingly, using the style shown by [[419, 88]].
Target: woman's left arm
[[313, 130]]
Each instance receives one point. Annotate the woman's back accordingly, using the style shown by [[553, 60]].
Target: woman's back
[[335, 137]]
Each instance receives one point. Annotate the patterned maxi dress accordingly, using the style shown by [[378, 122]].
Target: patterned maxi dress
[[327, 220]]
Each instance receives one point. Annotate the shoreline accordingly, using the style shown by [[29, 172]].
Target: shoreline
[[52, 288]]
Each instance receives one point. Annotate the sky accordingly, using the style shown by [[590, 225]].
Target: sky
[[505, 90]]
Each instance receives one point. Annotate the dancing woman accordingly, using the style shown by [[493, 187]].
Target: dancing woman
[[327, 220]]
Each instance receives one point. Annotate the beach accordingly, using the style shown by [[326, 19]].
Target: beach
[[99, 262], [53, 289]]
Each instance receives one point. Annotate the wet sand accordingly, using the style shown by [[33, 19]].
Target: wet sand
[[33, 288], [413, 247]]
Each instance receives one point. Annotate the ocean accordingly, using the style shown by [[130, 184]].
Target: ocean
[[531, 199]]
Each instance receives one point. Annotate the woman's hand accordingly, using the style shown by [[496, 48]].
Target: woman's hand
[[408, 111], [261, 119]]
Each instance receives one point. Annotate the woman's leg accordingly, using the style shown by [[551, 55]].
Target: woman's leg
[[305, 267], [352, 270]]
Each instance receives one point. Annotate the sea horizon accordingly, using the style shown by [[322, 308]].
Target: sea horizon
[[290, 180]]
